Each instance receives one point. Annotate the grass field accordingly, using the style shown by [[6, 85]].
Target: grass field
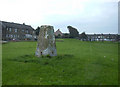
[[77, 63]]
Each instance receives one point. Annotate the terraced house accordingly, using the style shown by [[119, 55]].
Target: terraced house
[[103, 37], [15, 31]]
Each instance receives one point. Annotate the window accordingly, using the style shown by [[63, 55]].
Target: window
[[18, 36], [6, 35], [14, 36], [10, 29], [26, 31], [7, 29], [15, 30], [22, 30], [11, 36], [33, 32]]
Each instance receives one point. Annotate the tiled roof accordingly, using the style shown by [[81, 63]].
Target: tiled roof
[[16, 25]]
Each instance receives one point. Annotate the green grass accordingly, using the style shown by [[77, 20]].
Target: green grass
[[77, 63]]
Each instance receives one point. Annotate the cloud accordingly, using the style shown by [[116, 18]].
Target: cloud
[[87, 15]]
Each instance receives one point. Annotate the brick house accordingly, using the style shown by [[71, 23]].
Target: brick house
[[58, 33], [15, 31]]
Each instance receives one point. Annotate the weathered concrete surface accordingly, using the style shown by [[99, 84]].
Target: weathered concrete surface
[[46, 41]]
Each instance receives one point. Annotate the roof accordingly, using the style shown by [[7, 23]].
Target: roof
[[16, 25], [58, 32]]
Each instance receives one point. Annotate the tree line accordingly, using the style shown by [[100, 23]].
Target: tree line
[[73, 33]]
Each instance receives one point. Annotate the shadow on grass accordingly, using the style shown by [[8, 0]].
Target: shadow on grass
[[43, 59]]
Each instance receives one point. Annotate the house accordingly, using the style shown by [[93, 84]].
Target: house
[[58, 33], [103, 37], [16, 31]]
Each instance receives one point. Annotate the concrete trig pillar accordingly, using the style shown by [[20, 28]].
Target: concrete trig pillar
[[46, 42]]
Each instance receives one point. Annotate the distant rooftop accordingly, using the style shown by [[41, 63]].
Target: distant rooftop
[[15, 25]]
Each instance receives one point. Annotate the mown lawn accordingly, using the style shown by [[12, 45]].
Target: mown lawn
[[77, 63]]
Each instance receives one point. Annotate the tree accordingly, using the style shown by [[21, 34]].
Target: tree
[[66, 35], [58, 36], [83, 36], [37, 31], [73, 32]]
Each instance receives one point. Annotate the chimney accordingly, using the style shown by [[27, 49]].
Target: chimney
[[23, 23]]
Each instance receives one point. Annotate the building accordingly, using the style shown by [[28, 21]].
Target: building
[[0, 31], [103, 37], [58, 33], [15, 31]]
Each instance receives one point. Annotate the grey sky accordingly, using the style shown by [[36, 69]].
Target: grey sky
[[91, 16]]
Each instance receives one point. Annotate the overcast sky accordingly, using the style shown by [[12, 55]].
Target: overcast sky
[[90, 16]]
